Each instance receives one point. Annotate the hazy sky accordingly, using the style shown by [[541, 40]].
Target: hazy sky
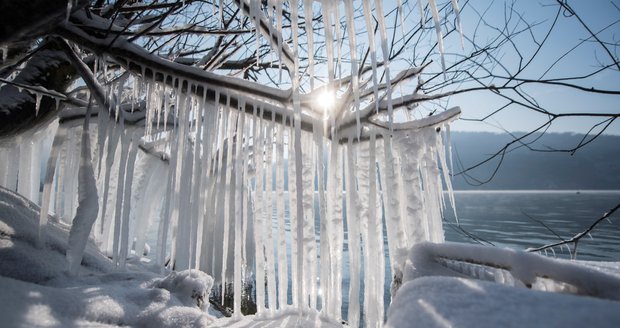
[[599, 15]]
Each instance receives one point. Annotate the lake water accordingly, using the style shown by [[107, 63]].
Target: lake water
[[515, 219]]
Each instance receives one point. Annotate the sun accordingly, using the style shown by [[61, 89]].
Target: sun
[[326, 100]]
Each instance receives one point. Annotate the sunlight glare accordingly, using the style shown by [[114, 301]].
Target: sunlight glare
[[326, 100]]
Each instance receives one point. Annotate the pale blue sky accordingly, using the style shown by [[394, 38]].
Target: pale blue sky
[[597, 14]]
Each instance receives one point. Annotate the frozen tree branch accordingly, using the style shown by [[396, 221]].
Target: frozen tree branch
[[576, 238]]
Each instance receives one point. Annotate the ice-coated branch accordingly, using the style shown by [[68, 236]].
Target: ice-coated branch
[[430, 259], [576, 238]]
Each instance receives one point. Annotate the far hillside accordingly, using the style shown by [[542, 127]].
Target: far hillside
[[595, 166]]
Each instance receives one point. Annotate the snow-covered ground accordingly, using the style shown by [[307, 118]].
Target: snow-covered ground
[[38, 291]]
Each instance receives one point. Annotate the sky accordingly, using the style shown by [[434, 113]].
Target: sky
[[568, 33]]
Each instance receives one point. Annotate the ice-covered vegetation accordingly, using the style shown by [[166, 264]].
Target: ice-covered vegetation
[[254, 141]]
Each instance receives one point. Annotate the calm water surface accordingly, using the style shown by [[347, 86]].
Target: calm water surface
[[518, 220]]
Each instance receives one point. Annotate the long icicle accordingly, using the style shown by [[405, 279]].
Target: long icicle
[[238, 166], [226, 199], [281, 237], [308, 15], [353, 226], [354, 65], [259, 218], [268, 223], [59, 138], [373, 51], [386, 59], [88, 205], [437, 22]]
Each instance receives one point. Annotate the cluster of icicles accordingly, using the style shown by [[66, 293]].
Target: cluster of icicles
[[242, 196], [226, 202]]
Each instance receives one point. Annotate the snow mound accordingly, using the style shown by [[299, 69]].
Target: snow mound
[[192, 287], [285, 318], [38, 291], [458, 302], [20, 255], [461, 285]]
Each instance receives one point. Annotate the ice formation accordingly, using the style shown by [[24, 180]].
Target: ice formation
[[215, 168]]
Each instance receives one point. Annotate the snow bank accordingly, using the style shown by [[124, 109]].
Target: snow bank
[[192, 287], [444, 286], [37, 290], [509, 266], [287, 318], [458, 302]]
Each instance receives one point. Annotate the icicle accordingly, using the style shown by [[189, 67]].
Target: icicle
[[363, 182], [325, 262], [308, 236], [194, 200], [353, 50], [238, 166], [432, 186], [281, 237], [268, 223], [119, 198], [59, 138], [353, 226], [183, 221], [70, 184], [12, 173], [280, 41], [25, 175], [401, 14], [327, 11], [221, 17], [297, 193], [374, 268], [259, 217], [88, 207], [447, 171], [113, 137], [421, 10], [393, 218], [373, 54], [255, 12], [292, 205], [338, 41], [69, 8], [437, 22], [308, 15], [37, 103], [209, 155], [386, 60], [150, 202], [213, 207], [457, 13], [5, 52], [129, 174], [335, 228], [226, 199]]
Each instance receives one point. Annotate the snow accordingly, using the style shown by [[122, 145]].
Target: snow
[[444, 286], [284, 319], [458, 302]]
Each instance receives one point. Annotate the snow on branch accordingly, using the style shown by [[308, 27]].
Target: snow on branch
[[428, 259]]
